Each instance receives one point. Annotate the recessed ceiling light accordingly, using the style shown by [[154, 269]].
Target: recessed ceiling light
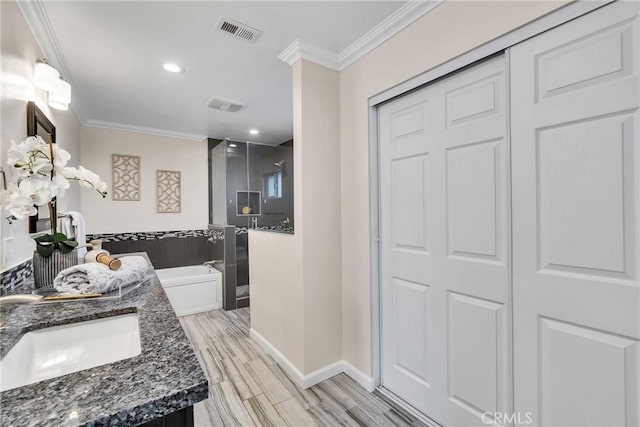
[[232, 145], [173, 68], [254, 131]]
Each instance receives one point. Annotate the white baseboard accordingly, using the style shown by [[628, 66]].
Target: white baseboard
[[290, 369], [201, 309], [317, 376], [322, 374], [365, 381]]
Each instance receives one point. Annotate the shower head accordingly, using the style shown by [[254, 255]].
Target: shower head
[[280, 165]]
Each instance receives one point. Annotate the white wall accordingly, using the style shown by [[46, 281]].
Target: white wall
[[320, 193], [156, 152], [444, 33], [20, 50], [277, 297], [295, 280]]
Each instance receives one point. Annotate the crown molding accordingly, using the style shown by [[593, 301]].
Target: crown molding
[[300, 49], [392, 25], [406, 15], [35, 14], [143, 130]]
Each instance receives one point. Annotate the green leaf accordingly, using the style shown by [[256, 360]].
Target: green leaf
[[60, 237], [44, 238], [67, 246], [45, 249]]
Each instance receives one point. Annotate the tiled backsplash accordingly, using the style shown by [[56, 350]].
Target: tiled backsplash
[[147, 235], [17, 280], [274, 228]]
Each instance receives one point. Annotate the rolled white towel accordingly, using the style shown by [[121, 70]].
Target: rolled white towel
[[97, 278]]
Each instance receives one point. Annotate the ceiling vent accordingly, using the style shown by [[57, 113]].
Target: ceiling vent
[[224, 104], [237, 29]]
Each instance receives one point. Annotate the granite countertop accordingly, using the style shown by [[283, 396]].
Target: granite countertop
[[163, 378]]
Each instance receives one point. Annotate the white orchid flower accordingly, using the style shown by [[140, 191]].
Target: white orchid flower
[[101, 187], [60, 157], [41, 172], [40, 190], [21, 212], [20, 206], [61, 181], [42, 168]]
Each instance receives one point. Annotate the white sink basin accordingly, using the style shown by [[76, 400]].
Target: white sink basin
[[60, 350]]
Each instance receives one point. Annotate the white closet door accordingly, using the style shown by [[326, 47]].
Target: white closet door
[[445, 246], [576, 190]]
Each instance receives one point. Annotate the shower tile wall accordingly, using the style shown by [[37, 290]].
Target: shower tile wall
[[262, 161]]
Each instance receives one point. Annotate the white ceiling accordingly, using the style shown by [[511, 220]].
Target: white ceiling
[[115, 52]]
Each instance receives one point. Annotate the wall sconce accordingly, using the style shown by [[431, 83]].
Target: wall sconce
[[47, 78], [61, 97]]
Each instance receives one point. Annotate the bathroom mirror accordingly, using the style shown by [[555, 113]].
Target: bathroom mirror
[[39, 124]]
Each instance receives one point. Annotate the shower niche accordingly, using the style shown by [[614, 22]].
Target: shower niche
[[248, 203], [250, 187]]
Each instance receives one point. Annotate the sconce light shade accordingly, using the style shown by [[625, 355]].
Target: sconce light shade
[[61, 96], [46, 77]]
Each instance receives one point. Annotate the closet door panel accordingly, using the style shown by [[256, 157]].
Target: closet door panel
[[445, 245], [474, 269], [576, 188], [407, 259]]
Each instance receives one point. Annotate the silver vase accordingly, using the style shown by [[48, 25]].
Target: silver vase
[[45, 269]]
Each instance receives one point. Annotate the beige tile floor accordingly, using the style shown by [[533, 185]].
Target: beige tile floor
[[247, 387]]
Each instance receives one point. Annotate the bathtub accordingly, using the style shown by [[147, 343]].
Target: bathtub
[[192, 289]]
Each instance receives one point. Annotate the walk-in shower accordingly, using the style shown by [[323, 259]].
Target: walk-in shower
[[250, 186]]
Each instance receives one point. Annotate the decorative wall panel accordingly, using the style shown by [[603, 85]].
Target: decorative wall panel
[[126, 177], [168, 191]]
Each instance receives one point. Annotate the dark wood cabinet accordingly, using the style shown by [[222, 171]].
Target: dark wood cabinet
[[181, 418]]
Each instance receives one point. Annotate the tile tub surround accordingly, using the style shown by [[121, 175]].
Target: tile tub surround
[[164, 378], [17, 280], [166, 249]]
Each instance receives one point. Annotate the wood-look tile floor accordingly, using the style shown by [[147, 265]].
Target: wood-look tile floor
[[247, 387]]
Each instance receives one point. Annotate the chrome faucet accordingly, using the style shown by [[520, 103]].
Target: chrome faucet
[[285, 222], [19, 299], [212, 262]]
